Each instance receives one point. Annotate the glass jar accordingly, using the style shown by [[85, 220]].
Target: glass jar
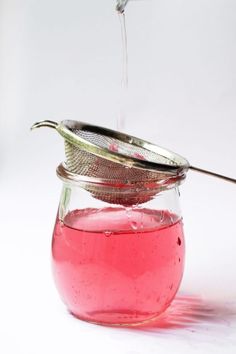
[[114, 264]]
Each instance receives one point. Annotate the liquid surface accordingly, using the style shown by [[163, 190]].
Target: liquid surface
[[116, 265]]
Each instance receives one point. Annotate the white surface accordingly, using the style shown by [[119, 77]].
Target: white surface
[[63, 59]]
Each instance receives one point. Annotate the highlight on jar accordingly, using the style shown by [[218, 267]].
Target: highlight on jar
[[118, 242]]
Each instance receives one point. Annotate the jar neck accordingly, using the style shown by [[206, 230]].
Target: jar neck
[[124, 193], [72, 178]]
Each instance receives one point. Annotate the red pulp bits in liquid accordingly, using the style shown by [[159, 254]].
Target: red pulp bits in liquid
[[117, 265]]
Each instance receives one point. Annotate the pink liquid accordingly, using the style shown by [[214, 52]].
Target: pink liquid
[[116, 265]]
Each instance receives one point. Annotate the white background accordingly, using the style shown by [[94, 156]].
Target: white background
[[62, 59]]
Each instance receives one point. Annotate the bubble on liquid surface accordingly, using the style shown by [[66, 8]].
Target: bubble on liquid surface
[[107, 233]]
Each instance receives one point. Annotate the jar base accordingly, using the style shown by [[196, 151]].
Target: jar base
[[118, 319]]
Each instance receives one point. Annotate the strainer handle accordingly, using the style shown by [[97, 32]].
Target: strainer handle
[[217, 175], [45, 123]]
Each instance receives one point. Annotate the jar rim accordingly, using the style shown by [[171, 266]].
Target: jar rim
[[70, 177]]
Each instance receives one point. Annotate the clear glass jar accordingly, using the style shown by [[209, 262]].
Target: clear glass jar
[[114, 264]]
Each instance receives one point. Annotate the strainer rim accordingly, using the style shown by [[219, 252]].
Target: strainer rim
[[179, 167]]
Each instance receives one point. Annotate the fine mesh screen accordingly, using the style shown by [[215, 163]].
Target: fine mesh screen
[[121, 147]]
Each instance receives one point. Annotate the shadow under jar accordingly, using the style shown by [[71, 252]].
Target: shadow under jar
[[114, 264]]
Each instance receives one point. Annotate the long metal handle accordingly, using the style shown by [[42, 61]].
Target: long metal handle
[[45, 123], [206, 172]]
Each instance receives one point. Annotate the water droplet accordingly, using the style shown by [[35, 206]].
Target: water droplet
[[113, 147], [134, 225], [138, 156], [128, 212], [107, 233]]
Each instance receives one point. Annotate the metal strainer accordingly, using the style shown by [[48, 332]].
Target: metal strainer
[[106, 154]]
